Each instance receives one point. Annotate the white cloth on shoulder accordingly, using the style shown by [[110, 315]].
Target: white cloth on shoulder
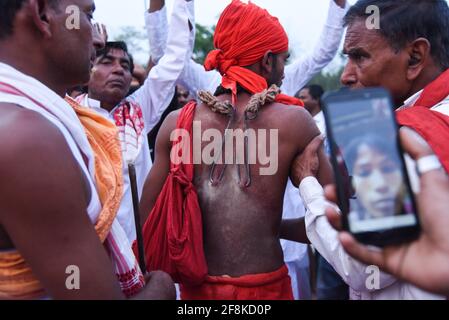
[[27, 92]]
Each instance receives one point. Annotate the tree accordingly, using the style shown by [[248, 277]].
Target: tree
[[204, 42], [137, 41], [133, 37], [329, 81]]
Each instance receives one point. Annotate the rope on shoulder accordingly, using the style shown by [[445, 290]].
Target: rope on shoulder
[[256, 102]]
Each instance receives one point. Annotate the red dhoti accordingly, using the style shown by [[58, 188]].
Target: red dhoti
[[265, 286]]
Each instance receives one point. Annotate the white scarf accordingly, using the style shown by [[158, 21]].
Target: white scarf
[[20, 89], [128, 119]]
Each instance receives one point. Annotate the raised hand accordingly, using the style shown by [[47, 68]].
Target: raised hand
[[156, 5], [101, 31]]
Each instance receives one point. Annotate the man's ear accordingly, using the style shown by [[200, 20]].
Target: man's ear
[[418, 56], [42, 14], [267, 62]]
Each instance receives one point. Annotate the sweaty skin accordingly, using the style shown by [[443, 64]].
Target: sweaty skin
[[241, 225]]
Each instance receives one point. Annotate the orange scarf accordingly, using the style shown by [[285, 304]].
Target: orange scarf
[[16, 278], [103, 138]]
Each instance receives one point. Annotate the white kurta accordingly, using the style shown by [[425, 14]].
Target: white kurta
[[153, 97]]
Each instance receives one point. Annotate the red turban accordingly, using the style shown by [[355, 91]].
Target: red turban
[[244, 33]]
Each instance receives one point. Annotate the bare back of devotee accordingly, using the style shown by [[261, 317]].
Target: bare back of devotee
[[241, 225]]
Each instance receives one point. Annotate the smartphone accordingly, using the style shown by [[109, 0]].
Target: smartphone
[[373, 186]]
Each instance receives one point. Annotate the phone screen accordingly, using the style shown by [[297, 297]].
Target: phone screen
[[365, 147]]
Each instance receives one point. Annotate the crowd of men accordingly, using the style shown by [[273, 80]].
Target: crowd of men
[[99, 169]]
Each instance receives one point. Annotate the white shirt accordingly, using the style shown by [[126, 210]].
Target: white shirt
[[320, 123], [442, 107], [153, 97], [156, 25], [297, 74]]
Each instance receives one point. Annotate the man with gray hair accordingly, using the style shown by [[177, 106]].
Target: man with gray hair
[[409, 56]]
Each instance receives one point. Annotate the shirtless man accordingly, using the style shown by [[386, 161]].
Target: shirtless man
[[46, 188], [297, 74], [242, 225]]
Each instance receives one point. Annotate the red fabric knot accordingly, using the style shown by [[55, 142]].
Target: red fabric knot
[[182, 179], [215, 60], [244, 34], [173, 232]]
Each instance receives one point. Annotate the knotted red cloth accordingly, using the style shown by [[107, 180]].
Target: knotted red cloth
[[432, 125], [173, 232], [244, 33]]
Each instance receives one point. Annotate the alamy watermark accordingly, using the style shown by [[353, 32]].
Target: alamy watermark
[[235, 146], [72, 282], [73, 20], [373, 21], [372, 282]]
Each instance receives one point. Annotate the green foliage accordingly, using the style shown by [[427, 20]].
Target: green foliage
[[329, 81], [134, 38], [204, 42]]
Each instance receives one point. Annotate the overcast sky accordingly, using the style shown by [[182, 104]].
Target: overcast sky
[[302, 19]]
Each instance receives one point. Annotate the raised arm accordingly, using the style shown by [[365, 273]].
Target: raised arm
[[156, 24], [157, 28], [194, 77], [159, 88], [156, 5], [299, 73]]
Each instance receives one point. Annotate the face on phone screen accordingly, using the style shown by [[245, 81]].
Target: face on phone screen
[[365, 138]]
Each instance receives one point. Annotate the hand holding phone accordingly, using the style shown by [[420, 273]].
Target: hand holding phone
[[422, 262], [373, 187]]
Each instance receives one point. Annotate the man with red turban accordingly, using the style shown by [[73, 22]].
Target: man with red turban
[[217, 224], [245, 34]]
